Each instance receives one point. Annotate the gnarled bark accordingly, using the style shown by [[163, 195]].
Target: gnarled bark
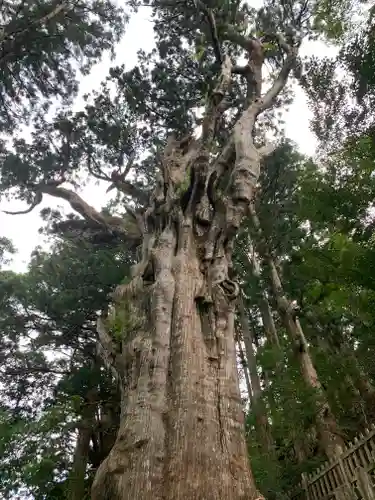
[[181, 433], [182, 421]]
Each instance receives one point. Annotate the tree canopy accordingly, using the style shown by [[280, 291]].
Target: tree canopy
[[303, 255]]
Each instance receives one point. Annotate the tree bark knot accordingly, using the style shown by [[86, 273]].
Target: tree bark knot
[[187, 353]]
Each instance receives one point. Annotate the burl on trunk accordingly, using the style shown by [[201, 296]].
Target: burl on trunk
[[181, 434]]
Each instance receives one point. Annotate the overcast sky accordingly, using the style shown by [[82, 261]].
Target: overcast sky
[[23, 229]]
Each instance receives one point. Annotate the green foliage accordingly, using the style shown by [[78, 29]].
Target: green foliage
[[315, 216], [125, 320], [333, 17], [67, 36], [48, 375]]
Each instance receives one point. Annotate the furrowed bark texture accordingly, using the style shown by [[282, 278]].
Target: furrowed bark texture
[[182, 422], [181, 434]]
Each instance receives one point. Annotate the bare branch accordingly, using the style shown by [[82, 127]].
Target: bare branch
[[127, 228], [283, 75], [37, 200], [118, 182], [76, 202], [129, 165]]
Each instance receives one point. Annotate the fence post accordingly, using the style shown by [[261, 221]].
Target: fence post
[[305, 485], [349, 480], [345, 492], [364, 484]]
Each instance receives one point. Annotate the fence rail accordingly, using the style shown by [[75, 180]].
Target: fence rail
[[351, 476]]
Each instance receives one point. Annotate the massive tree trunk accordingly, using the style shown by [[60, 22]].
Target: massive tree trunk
[[181, 433], [329, 438], [182, 422]]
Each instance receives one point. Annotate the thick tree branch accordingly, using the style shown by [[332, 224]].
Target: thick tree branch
[[127, 188], [253, 69], [214, 108], [110, 223], [248, 118], [129, 165], [233, 36], [80, 206]]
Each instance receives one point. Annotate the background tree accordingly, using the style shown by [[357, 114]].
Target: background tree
[[60, 406], [165, 375], [43, 46]]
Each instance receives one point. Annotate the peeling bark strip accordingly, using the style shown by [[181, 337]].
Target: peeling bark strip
[[181, 434]]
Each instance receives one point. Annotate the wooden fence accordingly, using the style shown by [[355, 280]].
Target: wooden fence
[[349, 477]]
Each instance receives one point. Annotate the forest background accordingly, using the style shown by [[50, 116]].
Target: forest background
[[305, 256]]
